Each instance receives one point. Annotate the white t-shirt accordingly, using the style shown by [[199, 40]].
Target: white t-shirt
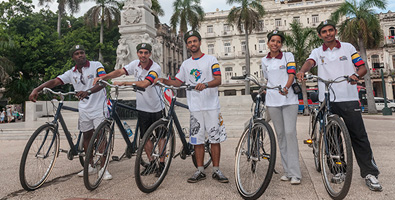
[[200, 70], [340, 61], [96, 104], [151, 99], [276, 70], [2, 114]]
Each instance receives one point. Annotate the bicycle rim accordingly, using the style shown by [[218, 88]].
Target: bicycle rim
[[98, 155], [39, 157], [254, 168], [336, 158], [158, 143]]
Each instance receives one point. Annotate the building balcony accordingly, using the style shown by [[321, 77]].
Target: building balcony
[[260, 53], [226, 56], [210, 35], [226, 33], [390, 41]]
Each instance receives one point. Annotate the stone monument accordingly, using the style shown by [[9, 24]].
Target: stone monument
[[137, 26]]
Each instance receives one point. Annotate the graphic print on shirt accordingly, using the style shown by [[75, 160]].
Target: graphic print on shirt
[[196, 73], [195, 126]]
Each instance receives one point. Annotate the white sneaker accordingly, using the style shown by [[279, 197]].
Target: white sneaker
[[91, 170], [285, 178], [295, 181], [107, 175]]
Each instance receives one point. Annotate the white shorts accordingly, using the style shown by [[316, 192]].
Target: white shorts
[[85, 124], [207, 121]]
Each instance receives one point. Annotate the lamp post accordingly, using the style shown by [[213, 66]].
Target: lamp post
[[386, 110]]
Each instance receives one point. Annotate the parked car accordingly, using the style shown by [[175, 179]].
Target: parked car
[[310, 103], [380, 104]]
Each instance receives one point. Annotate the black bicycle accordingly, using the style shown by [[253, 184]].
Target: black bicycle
[[101, 145], [43, 147], [256, 150], [331, 144], [160, 136]]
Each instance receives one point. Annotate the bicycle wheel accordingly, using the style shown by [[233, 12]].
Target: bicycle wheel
[[336, 158], [39, 157], [315, 137], [255, 160], [98, 155], [158, 143], [207, 156], [81, 149]]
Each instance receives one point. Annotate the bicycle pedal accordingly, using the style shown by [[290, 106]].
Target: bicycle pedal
[[308, 141], [115, 158]]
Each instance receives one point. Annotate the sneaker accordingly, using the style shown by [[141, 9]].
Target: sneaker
[[295, 181], [149, 169], [106, 175], [220, 177], [91, 171], [373, 183], [285, 178], [197, 176], [160, 169], [338, 178]]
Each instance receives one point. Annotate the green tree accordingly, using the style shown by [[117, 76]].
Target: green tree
[[157, 10], [246, 18], [301, 41], [107, 13], [186, 12], [6, 66], [73, 5], [362, 29]]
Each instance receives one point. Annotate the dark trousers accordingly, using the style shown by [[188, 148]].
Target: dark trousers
[[351, 114], [146, 119]]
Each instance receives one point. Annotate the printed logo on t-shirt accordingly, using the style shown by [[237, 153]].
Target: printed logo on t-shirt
[[90, 76], [282, 67], [343, 58], [196, 73], [322, 59]]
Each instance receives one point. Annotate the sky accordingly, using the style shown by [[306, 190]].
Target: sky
[[167, 6]]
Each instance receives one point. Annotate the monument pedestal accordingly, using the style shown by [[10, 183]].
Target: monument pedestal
[[124, 94]]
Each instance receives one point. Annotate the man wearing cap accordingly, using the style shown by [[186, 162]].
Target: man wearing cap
[[149, 103], [335, 59], [202, 71], [92, 109]]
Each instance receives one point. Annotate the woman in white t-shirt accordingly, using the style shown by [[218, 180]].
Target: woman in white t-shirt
[[279, 69], [2, 116]]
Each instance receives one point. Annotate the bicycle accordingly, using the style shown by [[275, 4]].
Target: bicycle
[[330, 138], [43, 147], [256, 149], [161, 136], [101, 145]]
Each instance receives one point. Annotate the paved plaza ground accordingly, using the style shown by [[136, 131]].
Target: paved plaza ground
[[65, 184]]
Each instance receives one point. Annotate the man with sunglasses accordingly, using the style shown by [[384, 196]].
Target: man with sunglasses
[[92, 98], [149, 103]]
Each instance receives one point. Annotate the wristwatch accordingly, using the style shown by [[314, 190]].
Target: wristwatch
[[355, 74], [206, 84], [89, 92]]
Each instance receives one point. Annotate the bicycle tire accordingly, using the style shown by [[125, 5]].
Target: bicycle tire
[[337, 164], [41, 151], [98, 155], [315, 137], [150, 181], [207, 156], [246, 169], [81, 149]]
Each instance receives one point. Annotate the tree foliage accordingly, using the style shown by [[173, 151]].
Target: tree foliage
[[186, 12]]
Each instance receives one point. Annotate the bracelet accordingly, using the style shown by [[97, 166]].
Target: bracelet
[[206, 84]]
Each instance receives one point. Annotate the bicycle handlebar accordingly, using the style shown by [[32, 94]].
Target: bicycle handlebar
[[61, 94], [134, 87], [329, 81], [254, 80], [187, 87]]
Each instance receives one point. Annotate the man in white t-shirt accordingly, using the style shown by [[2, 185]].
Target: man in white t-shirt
[[335, 59], [149, 103], [92, 110], [202, 71]]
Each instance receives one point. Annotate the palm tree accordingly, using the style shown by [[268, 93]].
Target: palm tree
[[301, 42], [157, 10], [362, 29], [106, 12], [74, 7], [186, 12], [246, 17]]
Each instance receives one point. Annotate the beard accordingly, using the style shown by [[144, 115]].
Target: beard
[[196, 51]]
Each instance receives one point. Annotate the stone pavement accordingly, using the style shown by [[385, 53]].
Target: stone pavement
[[64, 183]]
